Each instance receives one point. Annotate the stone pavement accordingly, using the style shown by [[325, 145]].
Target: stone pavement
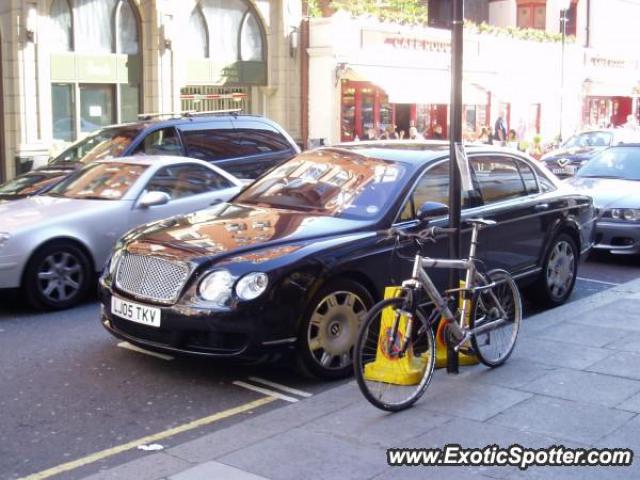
[[574, 379]]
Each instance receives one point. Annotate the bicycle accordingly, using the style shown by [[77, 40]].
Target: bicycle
[[395, 352]]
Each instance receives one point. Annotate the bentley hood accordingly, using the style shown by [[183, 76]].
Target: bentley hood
[[232, 229]]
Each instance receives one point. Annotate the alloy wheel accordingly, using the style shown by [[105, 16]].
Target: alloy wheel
[[333, 329], [60, 276], [560, 269]]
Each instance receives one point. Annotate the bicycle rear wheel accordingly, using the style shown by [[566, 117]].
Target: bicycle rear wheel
[[495, 345], [393, 368]]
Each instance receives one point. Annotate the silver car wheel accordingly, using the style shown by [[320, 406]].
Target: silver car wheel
[[560, 269], [333, 329], [60, 276]]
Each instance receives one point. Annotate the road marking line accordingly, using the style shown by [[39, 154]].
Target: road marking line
[[613, 284], [279, 386], [265, 391], [94, 457], [135, 348]]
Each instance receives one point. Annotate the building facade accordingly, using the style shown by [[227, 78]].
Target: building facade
[[367, 74], [70, 66]]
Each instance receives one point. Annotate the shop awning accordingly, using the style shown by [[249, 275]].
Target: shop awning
[[415, 85]]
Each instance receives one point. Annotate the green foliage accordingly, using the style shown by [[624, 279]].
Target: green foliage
[[313, 8], [532, 34], [398, 11]]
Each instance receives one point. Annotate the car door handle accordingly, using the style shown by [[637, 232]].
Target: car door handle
[[541, 206], [216, 201]]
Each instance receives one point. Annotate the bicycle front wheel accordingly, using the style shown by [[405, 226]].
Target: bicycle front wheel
[[394, 356], [501, 306]]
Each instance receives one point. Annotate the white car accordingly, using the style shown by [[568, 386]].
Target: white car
[[54, 245]]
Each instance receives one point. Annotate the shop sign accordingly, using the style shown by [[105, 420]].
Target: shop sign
[[399, 41], [601, 61]]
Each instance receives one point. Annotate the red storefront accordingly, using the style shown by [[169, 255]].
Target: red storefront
[[364, 105]]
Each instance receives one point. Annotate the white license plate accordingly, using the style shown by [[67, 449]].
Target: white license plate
[[564, 171], [135, 312]]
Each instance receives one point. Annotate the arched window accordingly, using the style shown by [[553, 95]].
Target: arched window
[[126, 29], [94, 23], [198, 37], [236, 33], [61, 36], [250, 39]]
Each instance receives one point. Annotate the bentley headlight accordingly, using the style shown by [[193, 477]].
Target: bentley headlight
[[252, 285], [616, 213], [4, 238], [216, 287]]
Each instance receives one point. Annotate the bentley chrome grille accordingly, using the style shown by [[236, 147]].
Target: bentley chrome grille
[[152, 278]]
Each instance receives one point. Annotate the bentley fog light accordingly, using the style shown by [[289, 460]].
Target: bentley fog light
[[252, 285], [216, 287]]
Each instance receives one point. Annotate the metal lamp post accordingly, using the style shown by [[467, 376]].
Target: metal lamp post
[[564, 8], [455, 137]]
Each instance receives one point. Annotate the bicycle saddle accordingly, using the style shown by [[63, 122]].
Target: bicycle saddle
[[480, 221]]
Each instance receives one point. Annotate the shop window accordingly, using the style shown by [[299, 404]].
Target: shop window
[[532, 14], [348, 113], [96, 107], [198, 38], [250, 39], [129, 102], [61, 33], [62, 112]]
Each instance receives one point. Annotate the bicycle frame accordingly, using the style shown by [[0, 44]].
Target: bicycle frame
[[420, 278]]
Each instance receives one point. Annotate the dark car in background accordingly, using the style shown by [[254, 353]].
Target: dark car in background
[[295, 260], [579, 148], [612, 178], [244, 145]]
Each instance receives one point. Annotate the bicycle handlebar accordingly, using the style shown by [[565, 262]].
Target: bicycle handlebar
[[427, 234]]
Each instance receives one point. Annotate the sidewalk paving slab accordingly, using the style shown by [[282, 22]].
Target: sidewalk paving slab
[[211, 470], [587, 387], [573, 380], [563, 419]]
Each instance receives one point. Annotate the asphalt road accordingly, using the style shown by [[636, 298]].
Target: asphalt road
[[67, 390]]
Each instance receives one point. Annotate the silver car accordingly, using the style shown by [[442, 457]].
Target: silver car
[[612, 178], [53, 245]]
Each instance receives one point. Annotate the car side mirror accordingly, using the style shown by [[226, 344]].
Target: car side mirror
[[430, 210], [153, 199]]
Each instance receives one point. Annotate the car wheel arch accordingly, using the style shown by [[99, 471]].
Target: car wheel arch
[[63, 239]]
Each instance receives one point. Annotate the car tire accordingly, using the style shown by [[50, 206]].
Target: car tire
[[58, 276], [329, 329], [559, 270]]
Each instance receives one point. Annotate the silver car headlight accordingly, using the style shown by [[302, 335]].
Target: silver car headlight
[[4, 238], [631, 214], [627, 214], [216, 287], [252, 285]]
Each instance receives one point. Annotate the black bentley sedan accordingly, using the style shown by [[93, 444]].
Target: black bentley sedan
[[295, 260]]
